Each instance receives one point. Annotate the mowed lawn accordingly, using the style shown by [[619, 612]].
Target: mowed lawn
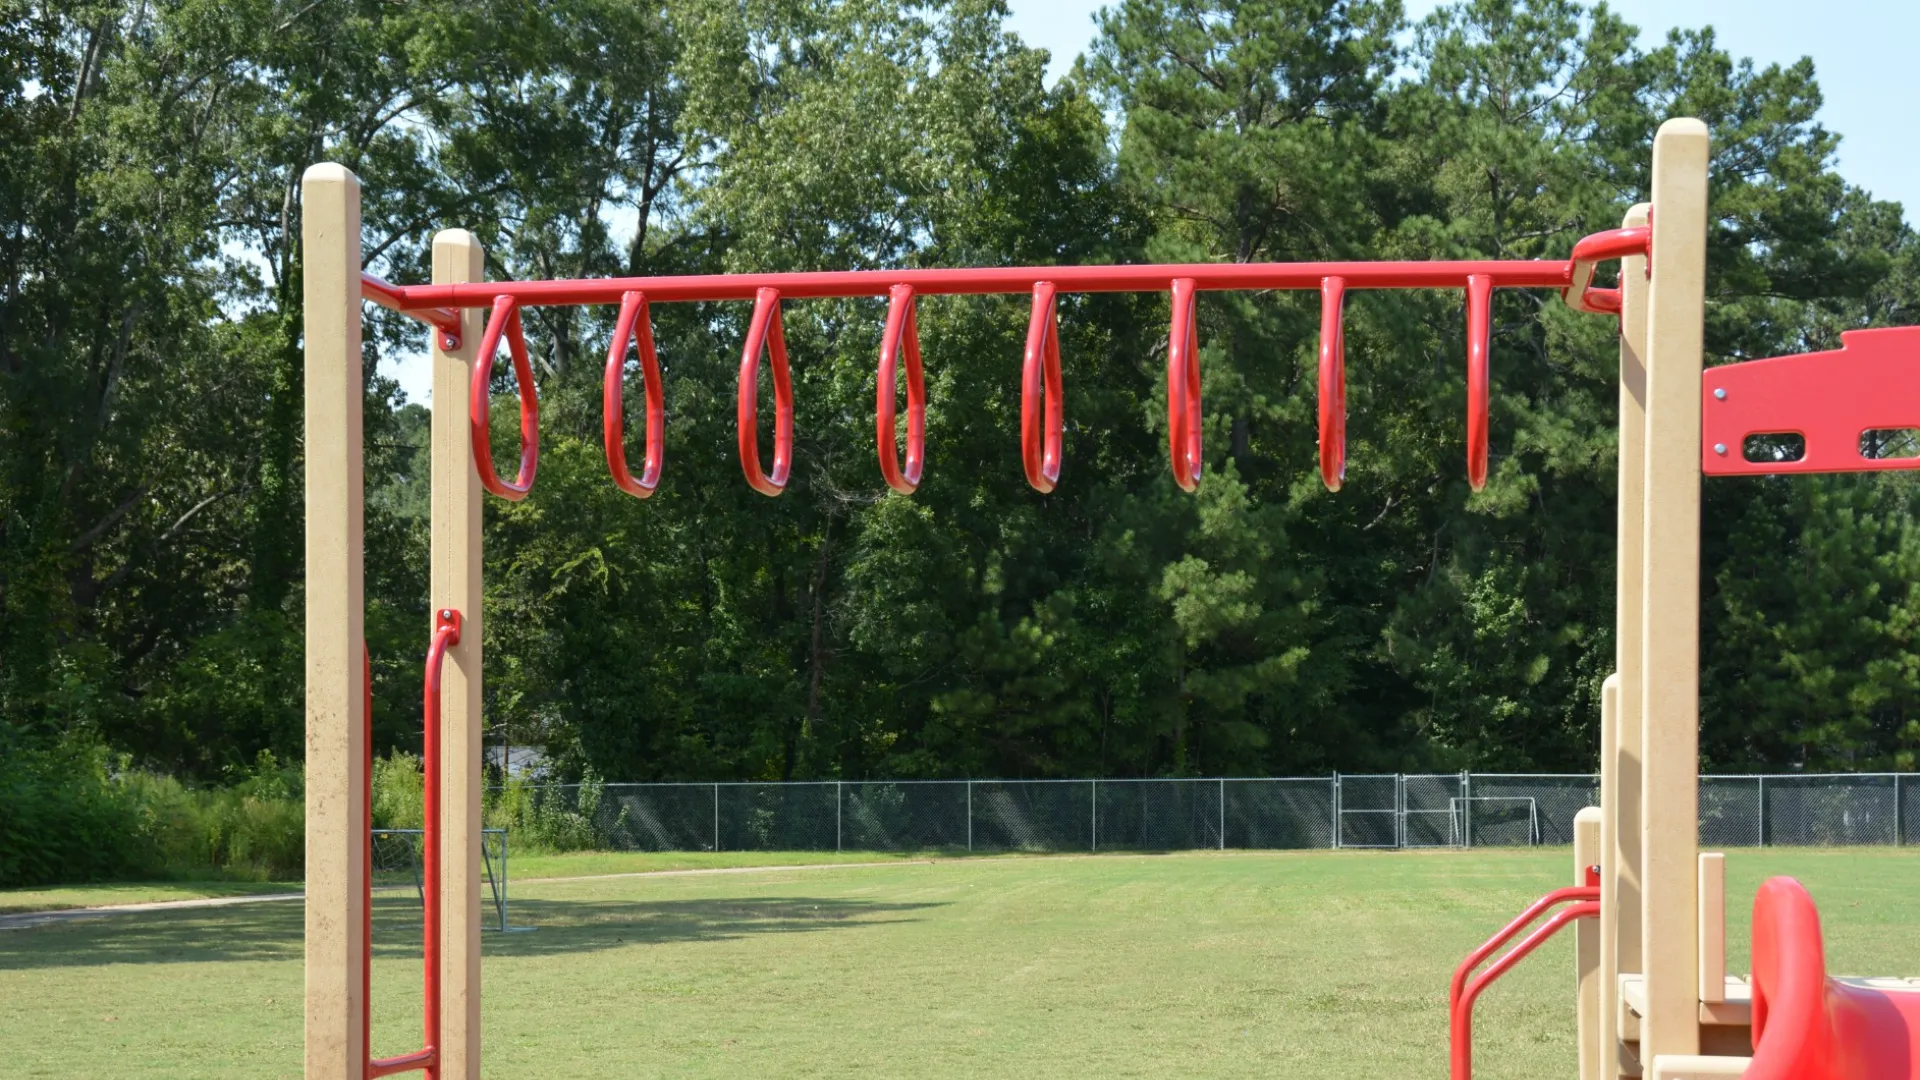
[[1318, 964]]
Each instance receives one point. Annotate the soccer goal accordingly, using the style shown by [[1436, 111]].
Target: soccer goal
[[397, 859], [1494, 821]]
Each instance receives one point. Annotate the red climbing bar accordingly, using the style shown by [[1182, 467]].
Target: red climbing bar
[[1449, 274], [1041, 403], [446, 634], [1598, 248], [901, 337], [1479, 376], [1464, 988], [1040, 450], [765, 335], [634, 320], [1183, 387], [1332, 382], [1461, 1020], [393, 298], [504, 320]]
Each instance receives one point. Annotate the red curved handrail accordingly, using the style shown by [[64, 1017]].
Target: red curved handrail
[[1332, 388], [902, 335], [1183, 387], [1040, 451], [1601, 247], [1461, 1013], [505, 319], [1479, 376], [634, 318], [765, 333]]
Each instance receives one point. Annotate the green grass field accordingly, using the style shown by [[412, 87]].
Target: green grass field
[[1321, 964]]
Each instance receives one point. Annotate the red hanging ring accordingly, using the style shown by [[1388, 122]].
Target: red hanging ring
[[1040, 455], [633, 318], [505, 318], [1333, 382], [765, 333], [1479, 378], [1183, 387], [901, 327]]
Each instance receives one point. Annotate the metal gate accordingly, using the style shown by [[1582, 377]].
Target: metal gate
[[1367, 811], [1430, 810]]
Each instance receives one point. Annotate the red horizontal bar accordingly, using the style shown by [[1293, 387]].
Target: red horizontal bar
[[1511, 273], [419, 1059], [393, 298]]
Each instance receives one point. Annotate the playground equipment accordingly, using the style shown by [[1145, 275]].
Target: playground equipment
[[1645, 962]]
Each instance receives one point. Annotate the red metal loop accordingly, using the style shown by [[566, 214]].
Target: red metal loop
[[1040, 451], [1479, 375], [505, 318], [1333, 383], [765, 333], [634, 319], [1589, 252], [902, 335], [1183, 387]]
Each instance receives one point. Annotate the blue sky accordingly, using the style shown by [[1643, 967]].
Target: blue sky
[[1862, 50]]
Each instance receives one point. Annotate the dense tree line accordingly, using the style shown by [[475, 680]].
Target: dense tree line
[[150, 372]]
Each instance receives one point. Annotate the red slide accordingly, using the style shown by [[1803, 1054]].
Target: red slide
[[1807, 1026]]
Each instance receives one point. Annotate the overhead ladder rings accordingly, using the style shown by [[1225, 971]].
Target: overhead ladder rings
[[1042, 408]]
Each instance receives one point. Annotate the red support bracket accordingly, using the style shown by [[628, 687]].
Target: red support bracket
[[1583, 903], [1819, 406]]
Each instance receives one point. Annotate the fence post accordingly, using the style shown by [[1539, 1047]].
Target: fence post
[[969, 814], [716, 817], [1760, 819], [1223, 809], [1093, 806], [1899, 811], [839, 799], [1336, 809], [1466, 809]]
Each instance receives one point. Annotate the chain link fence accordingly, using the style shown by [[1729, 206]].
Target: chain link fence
[[1339, 811]]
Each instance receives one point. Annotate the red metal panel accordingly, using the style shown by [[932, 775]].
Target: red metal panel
[[1872, 382]]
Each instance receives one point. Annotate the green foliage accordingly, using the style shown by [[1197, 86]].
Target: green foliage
[[150, 588], [542, 818]]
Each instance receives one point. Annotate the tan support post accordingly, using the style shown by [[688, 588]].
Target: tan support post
[[1586, 947], [1713, 927], [336, 944], [1620, 697], [456, 583], [1670, 626]]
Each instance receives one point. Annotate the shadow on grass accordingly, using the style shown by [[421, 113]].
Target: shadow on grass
[[268, 932]]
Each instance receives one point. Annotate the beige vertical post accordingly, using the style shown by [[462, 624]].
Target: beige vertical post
[[336, 945], [1620, 696], [456, 584], [1586, 947], [1670, 627], [1713, 927]]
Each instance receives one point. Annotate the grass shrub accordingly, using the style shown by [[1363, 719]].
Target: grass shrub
[[541, 818], [254, 829], [64, 819]]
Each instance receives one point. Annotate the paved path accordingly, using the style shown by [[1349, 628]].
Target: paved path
[[21, 920], [24, 919]]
